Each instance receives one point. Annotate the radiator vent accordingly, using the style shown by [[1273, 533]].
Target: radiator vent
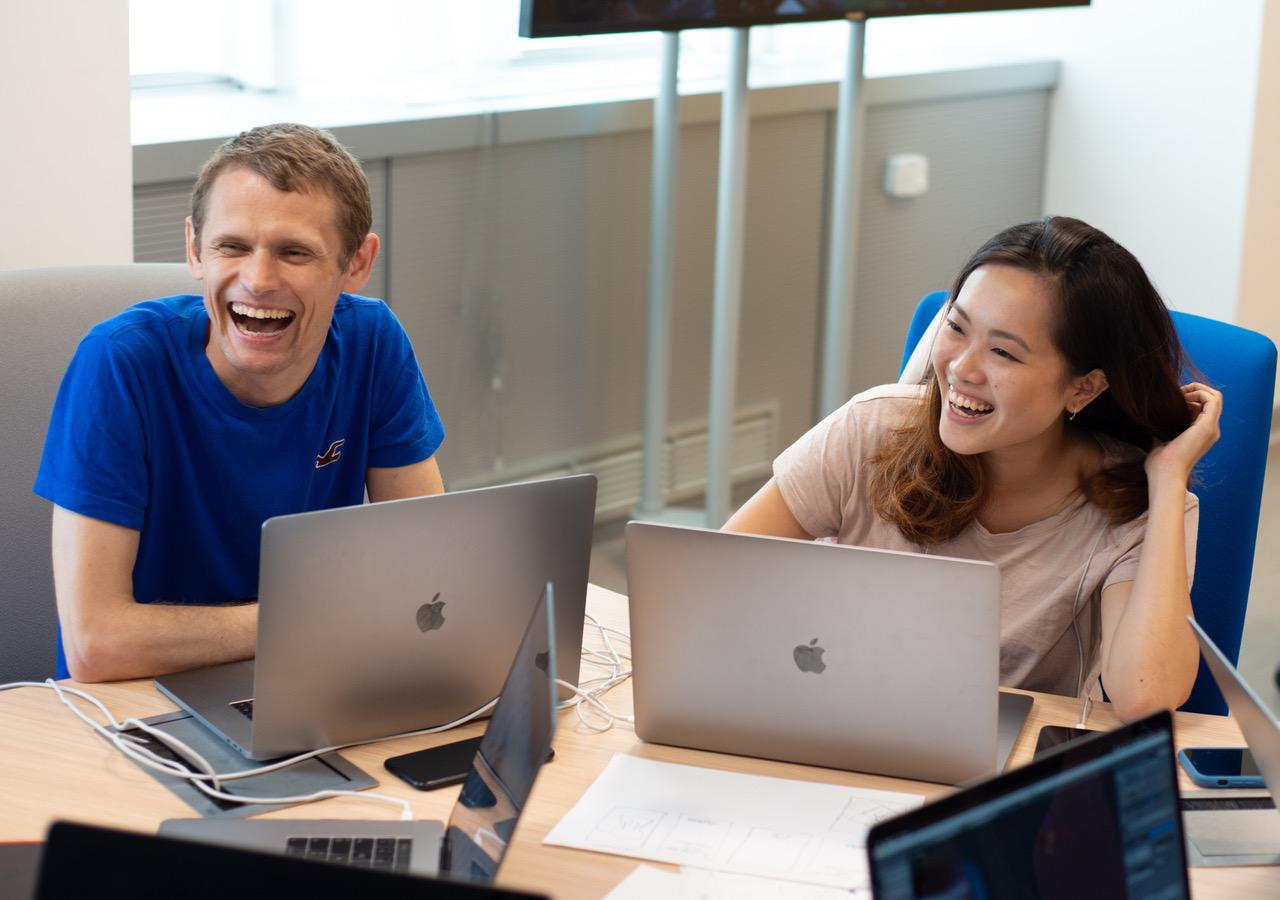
[[619, 475], [751, 455]]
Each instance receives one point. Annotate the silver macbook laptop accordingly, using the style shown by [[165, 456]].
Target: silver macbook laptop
[[815, 653], [470, 847], [1228, 828], [390, 617]]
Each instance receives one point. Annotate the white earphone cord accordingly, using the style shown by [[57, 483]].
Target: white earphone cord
[[1075, 627], [587, 693]]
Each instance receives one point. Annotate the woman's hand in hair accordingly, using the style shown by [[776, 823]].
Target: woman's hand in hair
[[1179, 456]]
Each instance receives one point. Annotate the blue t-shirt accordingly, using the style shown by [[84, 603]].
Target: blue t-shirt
[[145, 435]]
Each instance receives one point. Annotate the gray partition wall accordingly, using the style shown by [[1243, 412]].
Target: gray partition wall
[[525, 267], [518, 265], [43, 315], [986, 171]]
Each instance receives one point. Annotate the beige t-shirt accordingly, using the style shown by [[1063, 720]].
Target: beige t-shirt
[[822, 479]]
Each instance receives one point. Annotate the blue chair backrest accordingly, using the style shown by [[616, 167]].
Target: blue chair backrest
[[1228, 481]]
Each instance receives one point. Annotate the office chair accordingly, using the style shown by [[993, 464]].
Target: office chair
[[43, 315], [1228, 480]]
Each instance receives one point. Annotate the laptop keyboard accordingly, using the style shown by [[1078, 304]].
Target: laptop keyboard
[[391, 854], [245, 707], [1196, 804]]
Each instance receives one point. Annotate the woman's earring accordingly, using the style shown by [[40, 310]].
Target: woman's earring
[[1072, 417]]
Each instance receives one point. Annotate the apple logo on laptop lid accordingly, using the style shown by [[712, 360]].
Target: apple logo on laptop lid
[[808, 657], [431, 615]]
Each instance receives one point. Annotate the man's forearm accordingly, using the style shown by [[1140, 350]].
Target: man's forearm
[[107, 635], [141, 640]]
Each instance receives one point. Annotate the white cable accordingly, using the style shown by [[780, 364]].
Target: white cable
[[587, 693], [145, 757], [591, 700], [592, 711], [1075, 625], [1084, 712], [280, 764]]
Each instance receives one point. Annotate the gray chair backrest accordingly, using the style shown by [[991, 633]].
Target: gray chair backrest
[[43, 315]]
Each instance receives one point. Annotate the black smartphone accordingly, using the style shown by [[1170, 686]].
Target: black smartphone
[[439, 766], [1056, 735], [436, 766]]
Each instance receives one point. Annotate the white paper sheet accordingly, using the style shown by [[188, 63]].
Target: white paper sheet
[[646, 882], [773, 827]]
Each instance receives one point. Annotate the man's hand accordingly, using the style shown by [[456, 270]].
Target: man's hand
[[107, 635]]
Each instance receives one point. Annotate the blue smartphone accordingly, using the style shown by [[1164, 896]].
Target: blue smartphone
[[1221, 767]]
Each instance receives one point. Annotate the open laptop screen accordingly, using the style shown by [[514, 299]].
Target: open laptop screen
[[1097, 819], [514, 747]]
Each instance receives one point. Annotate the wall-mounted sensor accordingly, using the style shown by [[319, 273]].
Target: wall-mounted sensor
[[906, 175]]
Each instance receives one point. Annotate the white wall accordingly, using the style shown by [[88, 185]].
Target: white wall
[[1151, 138], [1259, 284], [1151, 134], [66, 164]]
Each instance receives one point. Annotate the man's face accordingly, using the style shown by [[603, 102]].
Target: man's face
[[271, 265]]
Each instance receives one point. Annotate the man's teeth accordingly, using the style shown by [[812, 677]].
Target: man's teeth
[[254, 312], [966, 403]]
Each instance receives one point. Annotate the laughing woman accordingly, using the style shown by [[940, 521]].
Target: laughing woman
[[1050, 437]]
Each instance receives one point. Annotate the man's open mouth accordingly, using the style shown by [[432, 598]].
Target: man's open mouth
[[967, 407], [257, 320]]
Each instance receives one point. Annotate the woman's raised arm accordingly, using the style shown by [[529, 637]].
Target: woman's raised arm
[[1149, 655]]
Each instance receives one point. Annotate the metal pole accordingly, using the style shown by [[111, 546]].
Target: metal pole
[[842, 250], [666, 134], [730, 228]]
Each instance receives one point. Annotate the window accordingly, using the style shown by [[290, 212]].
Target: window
[[414, 51], [403, 57]]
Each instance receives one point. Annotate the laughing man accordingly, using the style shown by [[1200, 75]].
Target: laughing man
[[184, 422]]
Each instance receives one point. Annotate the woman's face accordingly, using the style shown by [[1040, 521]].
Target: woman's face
[[1004, 384]]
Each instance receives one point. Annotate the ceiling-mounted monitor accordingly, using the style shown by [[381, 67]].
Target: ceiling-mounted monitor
[[562, 18]]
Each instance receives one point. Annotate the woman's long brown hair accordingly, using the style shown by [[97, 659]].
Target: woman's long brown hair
[[1107, 316]]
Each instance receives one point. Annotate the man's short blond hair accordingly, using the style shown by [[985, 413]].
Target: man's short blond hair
[[294, 157]]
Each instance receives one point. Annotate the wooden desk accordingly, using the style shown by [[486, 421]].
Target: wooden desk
[[53, 767]]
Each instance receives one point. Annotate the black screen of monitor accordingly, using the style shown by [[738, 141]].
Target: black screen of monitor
[[1090, 826], [559, 18]]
